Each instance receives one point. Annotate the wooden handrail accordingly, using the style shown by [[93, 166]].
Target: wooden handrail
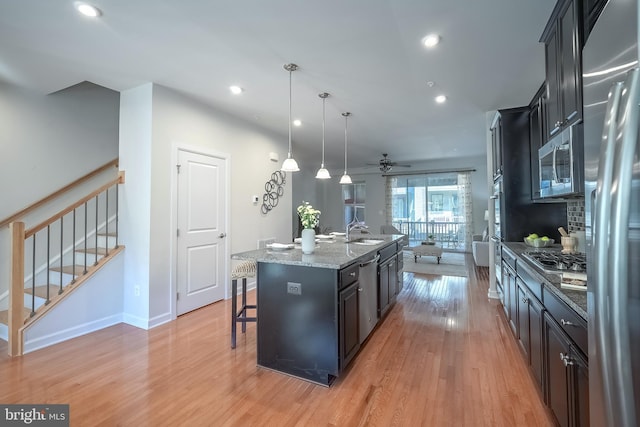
[[32, 207], [33, 230]]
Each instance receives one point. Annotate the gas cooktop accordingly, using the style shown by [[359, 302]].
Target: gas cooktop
[[557, 262]]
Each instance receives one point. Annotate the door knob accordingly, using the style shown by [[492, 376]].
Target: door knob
[[222, 235]]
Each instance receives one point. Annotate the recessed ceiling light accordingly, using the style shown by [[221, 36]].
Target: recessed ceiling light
[[431, 40], [297, 122], [88, 10], [440, 99], [236, 90]]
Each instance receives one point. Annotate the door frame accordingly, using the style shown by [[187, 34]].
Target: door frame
[[173, 238]]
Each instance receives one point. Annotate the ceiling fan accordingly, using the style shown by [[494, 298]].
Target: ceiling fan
[[385, 164]]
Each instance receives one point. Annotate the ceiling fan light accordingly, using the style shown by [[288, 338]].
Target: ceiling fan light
[[323, 173], [346, 179], [290, 165]]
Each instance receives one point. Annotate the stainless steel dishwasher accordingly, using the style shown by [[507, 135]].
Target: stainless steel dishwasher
[[368, 296]]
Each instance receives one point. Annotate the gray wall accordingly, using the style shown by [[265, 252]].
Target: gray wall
[[47, 141], [178, 121]]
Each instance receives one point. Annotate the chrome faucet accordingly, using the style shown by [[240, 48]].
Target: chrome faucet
[[354, 225]]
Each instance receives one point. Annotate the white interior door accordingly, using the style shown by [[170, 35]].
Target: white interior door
[[201, 249]]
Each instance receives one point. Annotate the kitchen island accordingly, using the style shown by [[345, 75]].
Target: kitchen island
[[309, 306]]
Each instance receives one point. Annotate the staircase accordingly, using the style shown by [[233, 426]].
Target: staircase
[[55, 257]]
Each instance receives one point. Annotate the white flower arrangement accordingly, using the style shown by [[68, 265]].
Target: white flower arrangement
[[309, 217]]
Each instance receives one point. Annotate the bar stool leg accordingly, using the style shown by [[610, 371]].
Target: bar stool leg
[[234, 308], [244, 304]]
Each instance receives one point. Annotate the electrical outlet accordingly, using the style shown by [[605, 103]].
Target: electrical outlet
[[294, 288], [136, 291]]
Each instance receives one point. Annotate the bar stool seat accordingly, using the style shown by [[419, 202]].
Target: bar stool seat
[[241, 271]]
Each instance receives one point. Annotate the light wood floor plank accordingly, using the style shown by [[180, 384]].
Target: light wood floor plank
[[444, 356]]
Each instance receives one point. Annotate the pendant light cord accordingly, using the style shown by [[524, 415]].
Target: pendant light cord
[[346, 118], [324, 100], [289, 153]]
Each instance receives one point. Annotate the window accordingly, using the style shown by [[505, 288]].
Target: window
[[430, 205], [354, 196]]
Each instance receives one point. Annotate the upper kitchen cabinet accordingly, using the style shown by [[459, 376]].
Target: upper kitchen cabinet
[[562, 39], [537, 132], [519, 215], [496, 146]]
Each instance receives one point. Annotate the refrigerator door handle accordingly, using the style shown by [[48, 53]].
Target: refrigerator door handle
[[618, 275], [600, 229], [555, 166]]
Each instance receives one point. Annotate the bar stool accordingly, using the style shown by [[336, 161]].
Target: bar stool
[[241, 271]]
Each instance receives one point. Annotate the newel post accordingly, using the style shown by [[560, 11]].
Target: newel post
[[16, 293]]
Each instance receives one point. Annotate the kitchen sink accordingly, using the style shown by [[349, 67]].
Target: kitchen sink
[[363, 241]]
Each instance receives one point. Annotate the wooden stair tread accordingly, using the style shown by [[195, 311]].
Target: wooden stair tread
[[41, 291], [75, 270], [4, 315], [99, 251]]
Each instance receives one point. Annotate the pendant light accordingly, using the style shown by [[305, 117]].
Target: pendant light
[[346, 179], [322, 172], [290, 165]]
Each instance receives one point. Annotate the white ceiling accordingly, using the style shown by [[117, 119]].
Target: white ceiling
[[366, 53]]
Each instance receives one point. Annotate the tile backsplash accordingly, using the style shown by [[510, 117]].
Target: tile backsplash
[[575, 215]]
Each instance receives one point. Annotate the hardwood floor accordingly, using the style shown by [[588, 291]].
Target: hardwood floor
[[442, 357]]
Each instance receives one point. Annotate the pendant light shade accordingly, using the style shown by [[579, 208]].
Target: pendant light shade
[[346, 179], [290, 165], [323, 173]]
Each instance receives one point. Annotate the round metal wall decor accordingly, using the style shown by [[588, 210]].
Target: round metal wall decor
[[274, 189]]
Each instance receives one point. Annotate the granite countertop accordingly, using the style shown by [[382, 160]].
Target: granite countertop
[[330, 253], [577, 300]]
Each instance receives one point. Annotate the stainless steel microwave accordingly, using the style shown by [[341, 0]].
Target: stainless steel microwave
[[561, 162]]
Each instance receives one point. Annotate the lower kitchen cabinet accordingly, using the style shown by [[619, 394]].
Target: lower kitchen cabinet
[[536, 341], [349, 338], [522, 321], [567, 379], [387, 279], [553, 340], [511, 295]]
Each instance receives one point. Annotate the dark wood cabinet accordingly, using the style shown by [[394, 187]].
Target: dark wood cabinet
[[525, 312], [387, 279], [383, 289], [557, 380], [567, 377], [563, 44], [509, 277], [581, 389], [496, 146], [536, 340], [519, 215], [349, 339], [522, 299], [537, 132]]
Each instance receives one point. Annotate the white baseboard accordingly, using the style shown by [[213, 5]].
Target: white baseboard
[[159, 320], [73, 332], [138, 322], [146, 324]]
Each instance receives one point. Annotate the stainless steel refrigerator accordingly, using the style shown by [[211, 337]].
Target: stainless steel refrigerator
[[611, 94]]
